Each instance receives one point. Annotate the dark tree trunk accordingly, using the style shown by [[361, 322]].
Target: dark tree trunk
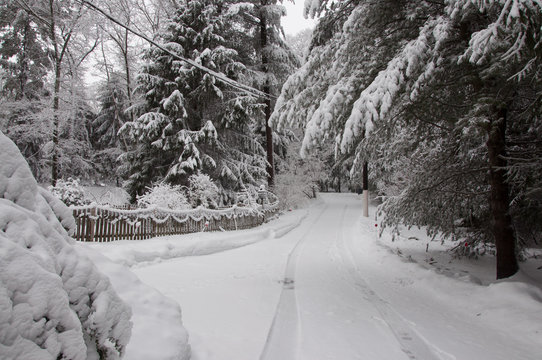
[[267, 91], [58, 57], [269, 141], [56, 93], [365, 185], [505, 240], [23, 74], [56, 125], [126, 56]]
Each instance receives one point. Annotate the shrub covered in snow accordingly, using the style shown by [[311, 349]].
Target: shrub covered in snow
[[165, 196], [297, 179], [54, 303], [202, 191], [69, 191]]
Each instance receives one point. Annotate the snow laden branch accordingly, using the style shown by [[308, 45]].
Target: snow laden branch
[[512, 36], [404, 73]]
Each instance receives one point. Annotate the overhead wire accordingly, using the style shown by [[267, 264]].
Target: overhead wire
[[219, 76]]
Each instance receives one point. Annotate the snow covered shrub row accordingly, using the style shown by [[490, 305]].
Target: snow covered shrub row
[[200, 192], [54, 303]]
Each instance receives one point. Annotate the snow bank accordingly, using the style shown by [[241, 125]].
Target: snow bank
[[134, 253], [502, 315], [158, 331], [54, 303]]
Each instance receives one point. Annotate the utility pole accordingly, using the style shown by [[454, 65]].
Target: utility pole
[[365, 184]]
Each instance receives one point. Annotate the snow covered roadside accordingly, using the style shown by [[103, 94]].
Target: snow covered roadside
[[413, 245], [455, 305], [228, 298], [134, 253], [357, 296], [157, 331]]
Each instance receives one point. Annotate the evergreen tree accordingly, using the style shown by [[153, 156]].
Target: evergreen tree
[[188, 120], [112, 116], [270, 61], [107, 144], [23, 94], [23, 55], [435, 96]]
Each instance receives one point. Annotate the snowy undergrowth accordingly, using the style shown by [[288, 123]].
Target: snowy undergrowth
[[434, 288], [414, 245], [141, 253]]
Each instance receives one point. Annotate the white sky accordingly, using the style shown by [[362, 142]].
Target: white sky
[[294, 22]]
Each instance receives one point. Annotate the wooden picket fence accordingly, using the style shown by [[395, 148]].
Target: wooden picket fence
[[103, 224]]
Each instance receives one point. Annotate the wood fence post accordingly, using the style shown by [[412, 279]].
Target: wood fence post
[[92, 224]]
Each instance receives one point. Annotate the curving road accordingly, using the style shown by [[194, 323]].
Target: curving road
[[327, 310], [327, 290]]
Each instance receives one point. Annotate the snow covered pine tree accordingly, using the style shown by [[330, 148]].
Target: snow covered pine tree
[[190, 121]]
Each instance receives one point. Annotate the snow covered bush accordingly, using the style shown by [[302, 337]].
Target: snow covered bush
[[289, 189], [297, 179], [202, 191], [164, 196], [54, 303], [69, 191]]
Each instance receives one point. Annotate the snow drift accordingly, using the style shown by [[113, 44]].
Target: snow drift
[[158, 332], [54, 303]]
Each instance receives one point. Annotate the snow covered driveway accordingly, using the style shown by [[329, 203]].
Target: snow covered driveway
[[341, 294], [337, 314]]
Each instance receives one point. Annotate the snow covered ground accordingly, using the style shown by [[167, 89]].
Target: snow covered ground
[[319, 284]]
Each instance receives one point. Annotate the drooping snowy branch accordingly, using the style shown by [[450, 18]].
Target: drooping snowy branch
[[413, 62]]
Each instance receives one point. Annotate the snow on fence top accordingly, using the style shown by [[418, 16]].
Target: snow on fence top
[[104, 223]]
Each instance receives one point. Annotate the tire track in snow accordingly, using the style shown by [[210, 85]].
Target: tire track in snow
[[284, 334], [412, 343]]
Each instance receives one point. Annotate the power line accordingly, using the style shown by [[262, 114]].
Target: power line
[[219, 76]]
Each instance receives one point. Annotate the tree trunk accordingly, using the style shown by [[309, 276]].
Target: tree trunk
[[269, 141], [56, 93], [128, 74], [23, 74], [505, 240], [267, 91], [56, 97]]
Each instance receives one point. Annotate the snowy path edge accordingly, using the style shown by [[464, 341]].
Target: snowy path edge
[[140, 253]]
